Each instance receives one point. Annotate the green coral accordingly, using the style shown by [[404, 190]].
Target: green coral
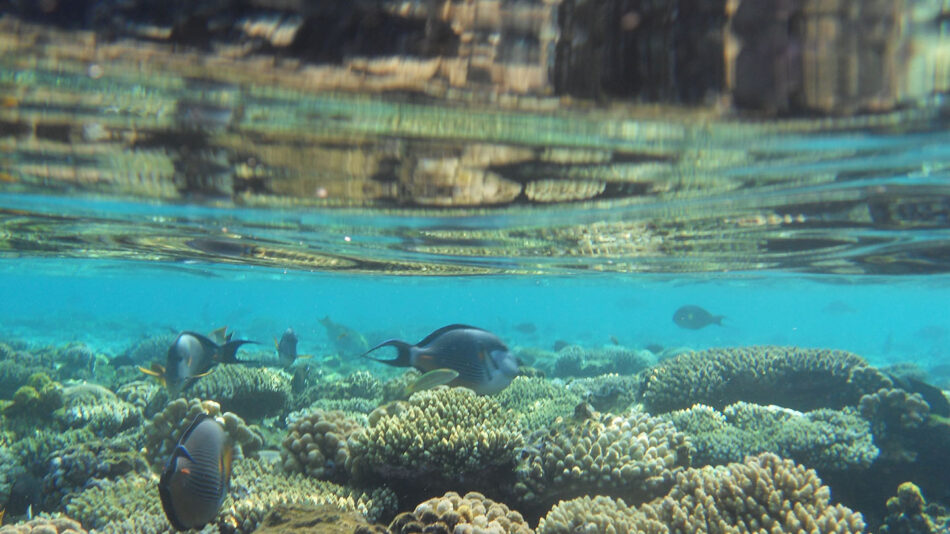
[[909, 513], [632, 456], [445, 436], [897, 418], [69, 469], [823, 439], [539, 402], [607, 393], [97, 408], [577, 361], [252, 393], [797, 378]]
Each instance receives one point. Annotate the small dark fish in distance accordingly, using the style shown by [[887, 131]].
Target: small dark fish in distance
[[526, 328], [482, 361], [560, 344], [287, 348], [195, 480], [694, 318], [190, 357]]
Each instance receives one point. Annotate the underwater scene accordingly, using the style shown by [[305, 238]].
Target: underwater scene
[[475, 266]]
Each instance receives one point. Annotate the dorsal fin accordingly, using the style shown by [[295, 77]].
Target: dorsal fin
[[428, 339]]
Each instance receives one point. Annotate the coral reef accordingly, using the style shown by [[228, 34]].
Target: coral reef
[[16, 368], [150, 349], [454, 514], [33, 404], [607, 393], [823, 439], [765, 493], [252, 393], [909, 513], [587, 515], [797, 378], [325, 519], [149, 397], [397, 388], [71, 468], [95, 407], [56, 524], [444, 436], [359, 385], [895, 417], [577, 361], [316, 444], [632, 456], [164, 430], [131, 505], [539, 402]]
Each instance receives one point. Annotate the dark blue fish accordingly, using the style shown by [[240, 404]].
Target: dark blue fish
[[195, 481], [287, 348], [190, 357], [482, 361], [694, 318]]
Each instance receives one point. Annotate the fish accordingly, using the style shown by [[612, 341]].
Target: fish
[[190, 357], [838, 307], [196, 478], [435, 377], [286, 348], [526, 328], [614, 340], [482, 360], [694, 318], [560, 344], [2, 511], [346, 341]]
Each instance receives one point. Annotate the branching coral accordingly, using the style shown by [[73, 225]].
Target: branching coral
[[316, 444], [454, 514]]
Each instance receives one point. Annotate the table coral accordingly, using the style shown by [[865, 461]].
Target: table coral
[[798, 378], [97, 408], [632, 456], [454, 514], [252, 393], [823, 439], [607, 393], [577, 361]]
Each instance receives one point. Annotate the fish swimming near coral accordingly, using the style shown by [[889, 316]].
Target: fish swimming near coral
[[287, 348], [693, 318], [482, 361], [346, 341], [195, 480], [190, 357]]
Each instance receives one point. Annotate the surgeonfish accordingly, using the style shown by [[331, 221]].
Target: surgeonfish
[[195, 480], [480, 358], [287, 348], [694, 318], [190, 357]]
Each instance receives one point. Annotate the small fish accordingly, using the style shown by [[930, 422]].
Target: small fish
[[560, 344], [655, 348], [435, 377], [838, 307], [286, 348], [526, 328], [614, 340], [694, 318], [190, 357], [195, 480], [481, 359]]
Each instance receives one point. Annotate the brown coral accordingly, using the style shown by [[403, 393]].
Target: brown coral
[[45, 525], [632, 456], [453, 514], [316, 444]]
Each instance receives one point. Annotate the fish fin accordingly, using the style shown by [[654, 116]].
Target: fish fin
[[717, 319], [226, 352], [403, 357], [304, 356], [184, 452], [206, 373], [276, 344], [157, 371], [435, 377], [428, 339], [219, 333]]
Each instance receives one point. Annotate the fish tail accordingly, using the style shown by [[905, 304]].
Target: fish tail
[[227, 351], [718, 319], [403, 357]]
